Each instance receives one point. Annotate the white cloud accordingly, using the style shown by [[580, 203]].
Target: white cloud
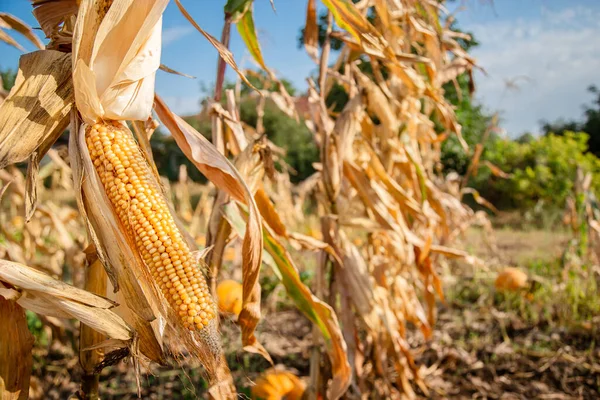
[[174, 33], [553, 59]]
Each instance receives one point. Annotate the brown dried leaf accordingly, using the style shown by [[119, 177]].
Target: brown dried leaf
[[268, 213], [16, 360], [311, 31], [6, 38], [496, 171], [11, 22], [33, 168], [163, 67]]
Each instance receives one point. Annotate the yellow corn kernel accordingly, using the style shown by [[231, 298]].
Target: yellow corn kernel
[[135, 195]]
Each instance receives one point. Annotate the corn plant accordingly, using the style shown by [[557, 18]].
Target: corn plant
[[149, 294]]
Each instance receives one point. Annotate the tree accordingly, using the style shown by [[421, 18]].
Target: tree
[[8, 77], [590, 124]]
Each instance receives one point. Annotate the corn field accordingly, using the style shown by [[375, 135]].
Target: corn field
[[141, 272]]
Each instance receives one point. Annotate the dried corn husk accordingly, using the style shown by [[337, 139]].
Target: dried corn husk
[[45, 295], [36, 111], [115, 58]]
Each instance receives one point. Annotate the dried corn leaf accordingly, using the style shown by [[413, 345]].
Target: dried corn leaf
[[6, 38], [16, 360], [268, 212], [33, 168], [51, 14], [35, 113], [348, 17], [496, 171], [223, 51], [317, 311], [479, 199], [8, 21], [311, 31], [174, 72]]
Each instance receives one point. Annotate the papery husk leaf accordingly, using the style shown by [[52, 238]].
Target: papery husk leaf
[[36, 112], [317, 311], [115, 61], [48, 296], [52, 13], [16, 359], [226, 177]]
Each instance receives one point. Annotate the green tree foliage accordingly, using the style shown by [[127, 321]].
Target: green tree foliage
[[590, 124], [8, 78], [474, 121], [542, 169]]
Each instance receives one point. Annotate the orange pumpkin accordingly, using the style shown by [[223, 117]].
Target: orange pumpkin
[[278, 385], [511, 279], [229, 294]]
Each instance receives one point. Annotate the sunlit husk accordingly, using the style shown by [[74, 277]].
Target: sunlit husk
[[45, 295], [116, 54], [36, 111]]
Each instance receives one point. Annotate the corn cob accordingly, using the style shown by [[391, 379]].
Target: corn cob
[[135, 195]]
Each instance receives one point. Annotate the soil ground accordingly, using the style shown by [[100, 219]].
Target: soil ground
[[486, 345]]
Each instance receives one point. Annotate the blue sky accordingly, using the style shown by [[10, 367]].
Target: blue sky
[[549, 48]]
